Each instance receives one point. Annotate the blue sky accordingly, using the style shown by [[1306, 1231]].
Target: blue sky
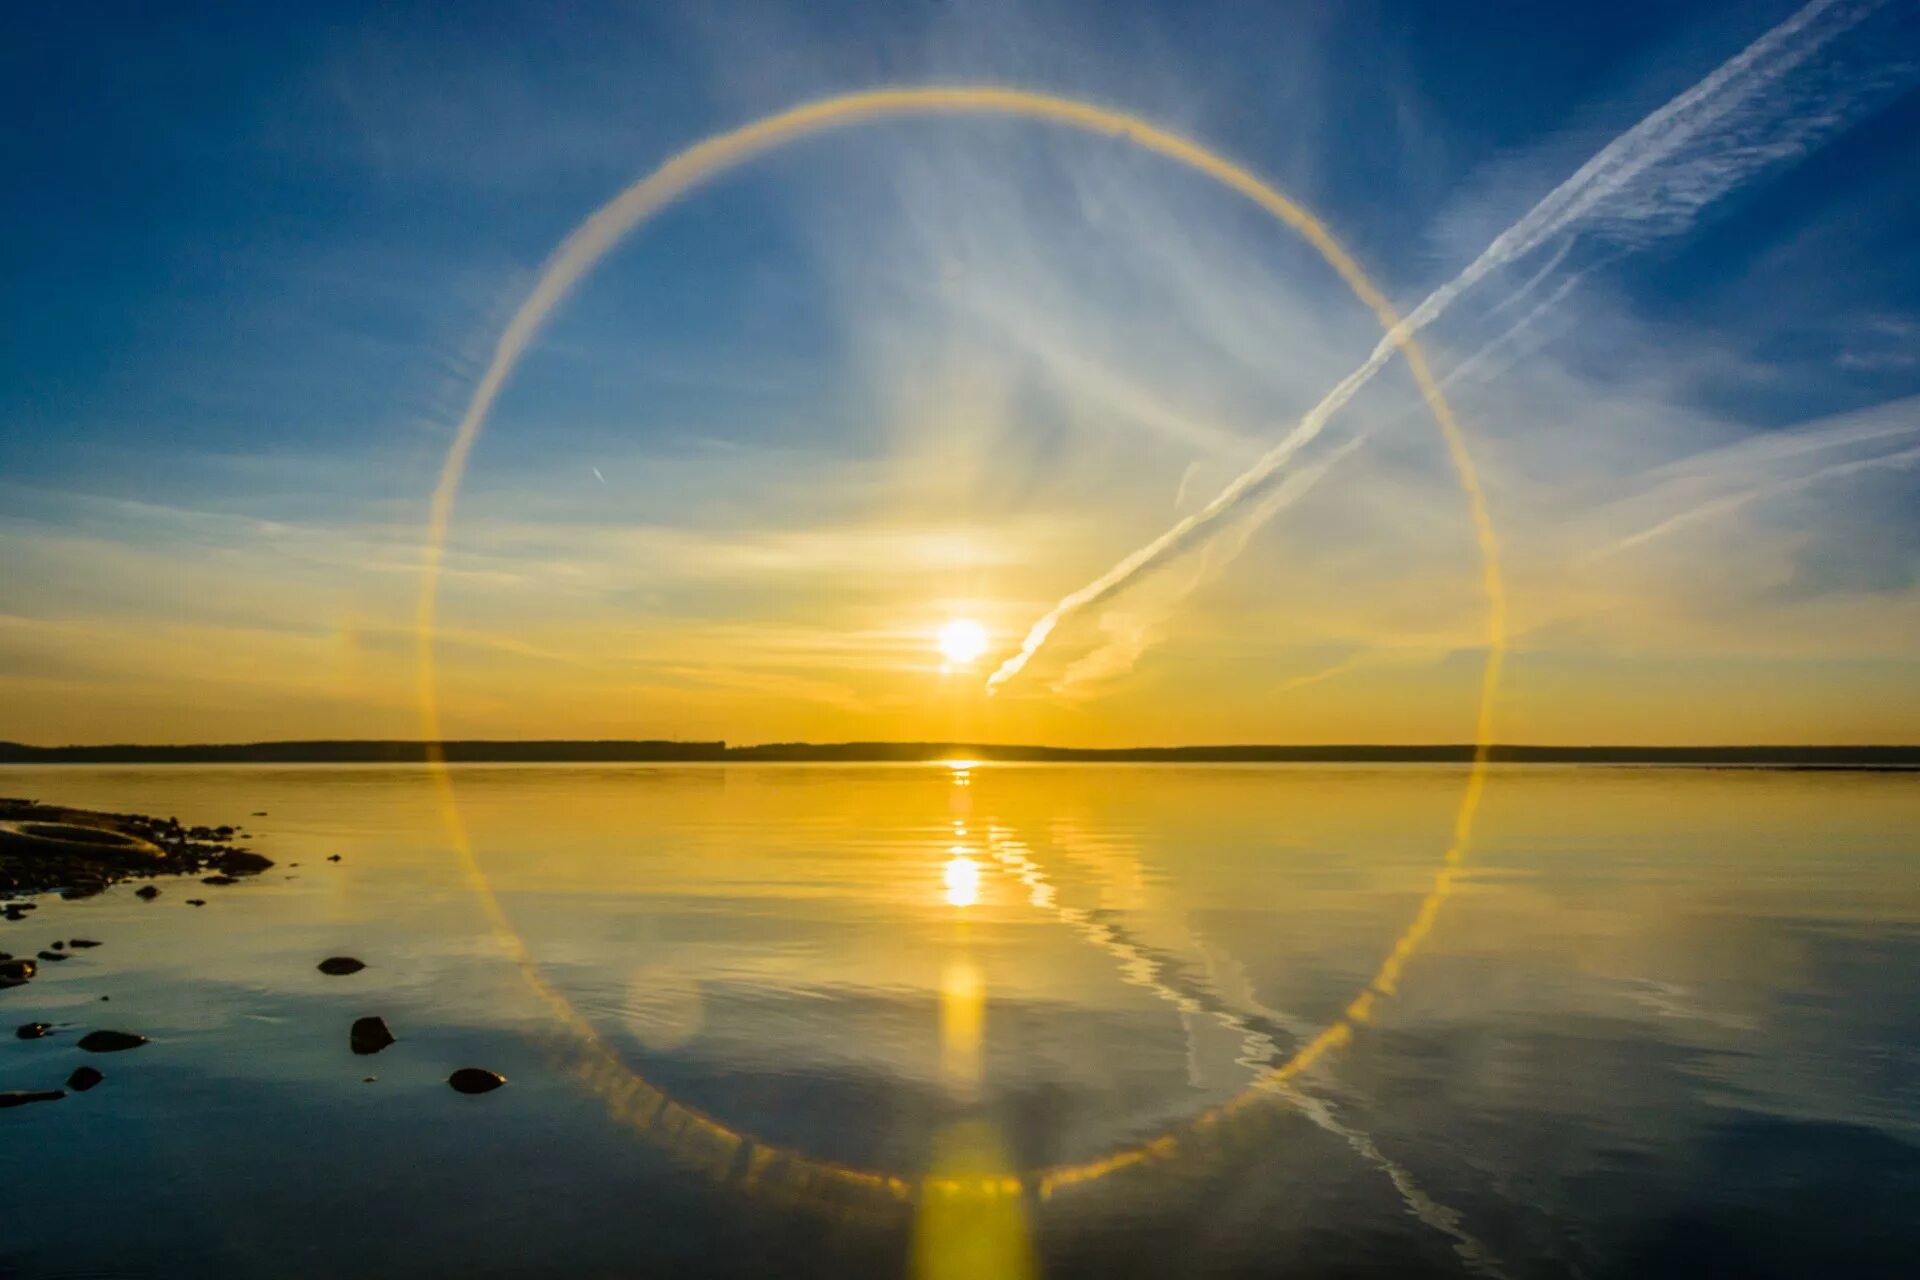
[[258, 254]]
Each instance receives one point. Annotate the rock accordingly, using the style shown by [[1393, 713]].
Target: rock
[[369, 1035], [196, 902], [146, 891], [368, 1079], [83, 1079], [20, 1097], [259, 813], [34, 1030], [340, 966], [55, 955], [59, 946], [82, 942], [333, 857], [220, 879], [15, 972], [475, 1080], [110, 1041]]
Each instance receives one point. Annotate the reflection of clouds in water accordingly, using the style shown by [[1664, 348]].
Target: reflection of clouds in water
[[1169, 979]]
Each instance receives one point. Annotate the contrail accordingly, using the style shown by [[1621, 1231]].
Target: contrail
[[1734, 501], [1622, 193]]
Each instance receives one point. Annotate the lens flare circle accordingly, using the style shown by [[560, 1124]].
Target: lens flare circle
[[705, 1142]]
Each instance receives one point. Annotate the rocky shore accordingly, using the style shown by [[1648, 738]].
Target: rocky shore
[[79, 852]]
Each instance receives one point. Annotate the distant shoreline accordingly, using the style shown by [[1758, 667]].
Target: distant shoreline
[[662, 751]]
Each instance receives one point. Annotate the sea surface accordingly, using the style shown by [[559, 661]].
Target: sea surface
[[943, 1020]]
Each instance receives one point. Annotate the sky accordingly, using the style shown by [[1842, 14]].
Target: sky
[[257, 257]]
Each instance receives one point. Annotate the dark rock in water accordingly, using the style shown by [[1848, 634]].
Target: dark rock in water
[[146, 891], [475, 1080], [59, 946], [222, 879], [369, 1035], [340, 966], [110, 1041], [21, 1097], [196, 902], [82, 942], [242, 862], [15, 972], [55, 955], [34, 1030], [259, 813], [369, 1079], [333, 857], [83, 1079]]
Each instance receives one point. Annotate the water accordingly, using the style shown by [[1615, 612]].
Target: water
[[1663, 1026]]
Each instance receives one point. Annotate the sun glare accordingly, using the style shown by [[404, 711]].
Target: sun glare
[[962, 877], [962, 640]]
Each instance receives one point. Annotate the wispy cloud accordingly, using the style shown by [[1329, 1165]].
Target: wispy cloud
[[1651, 181]]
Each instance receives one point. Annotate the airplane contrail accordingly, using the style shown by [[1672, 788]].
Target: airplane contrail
[[1650, 180], [1734, 501]]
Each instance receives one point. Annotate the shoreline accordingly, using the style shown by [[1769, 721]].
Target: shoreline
[[77, 853]]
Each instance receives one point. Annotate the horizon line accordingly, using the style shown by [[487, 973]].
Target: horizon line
[[613, 750]]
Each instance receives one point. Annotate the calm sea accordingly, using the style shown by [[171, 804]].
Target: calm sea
[[1000, 1020]]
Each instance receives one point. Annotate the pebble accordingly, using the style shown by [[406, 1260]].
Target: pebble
[[146, 891], [110, 1041], [15, 972], [475, 1080], [84, 1078], [33, 1030], [340, 966], [55, 955], [196, 902], [82, 942], [221, 879]]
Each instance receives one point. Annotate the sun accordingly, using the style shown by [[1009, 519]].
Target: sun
[[962, 640]]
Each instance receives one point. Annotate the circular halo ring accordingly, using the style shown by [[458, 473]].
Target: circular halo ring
[[703, 1140]]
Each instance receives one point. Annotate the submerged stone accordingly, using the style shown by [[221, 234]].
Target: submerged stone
[[340, 966], [34, 1030], [146, 891], [84, 1078], [15, 972]]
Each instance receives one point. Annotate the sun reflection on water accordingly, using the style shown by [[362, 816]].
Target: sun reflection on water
[[962, 877]]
